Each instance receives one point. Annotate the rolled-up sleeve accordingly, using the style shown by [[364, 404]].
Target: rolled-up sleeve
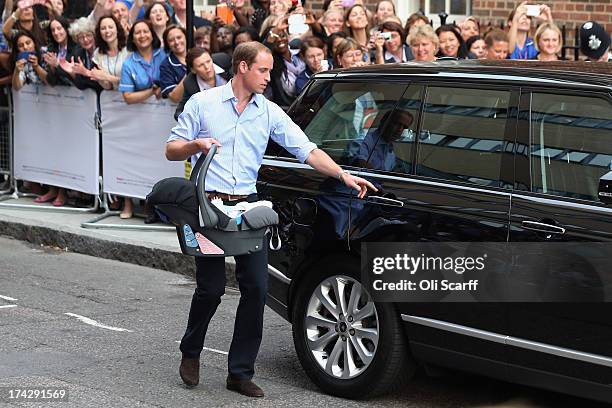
[[289, 135], [188, 126]]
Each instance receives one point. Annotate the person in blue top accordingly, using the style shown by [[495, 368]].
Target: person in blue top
[[312, 51], [140, 72], [174, 68], [519, 21], [238, 119]]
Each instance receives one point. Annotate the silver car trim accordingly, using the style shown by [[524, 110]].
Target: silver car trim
[[510, 341], [278, 275]]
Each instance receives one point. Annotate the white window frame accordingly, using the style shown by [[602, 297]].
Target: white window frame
[[451, 17]]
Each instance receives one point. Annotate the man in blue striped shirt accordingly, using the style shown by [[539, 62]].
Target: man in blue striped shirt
[[239, 120]]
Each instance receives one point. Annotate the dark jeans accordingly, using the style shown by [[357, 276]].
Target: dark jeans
[[252, 277]]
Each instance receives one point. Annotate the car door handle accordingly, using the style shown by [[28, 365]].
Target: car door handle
[[542, 227], [385, 200]]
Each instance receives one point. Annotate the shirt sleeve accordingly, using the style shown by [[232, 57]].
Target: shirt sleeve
[[188, 126], [127, 83], [166, 79], [289, 135]]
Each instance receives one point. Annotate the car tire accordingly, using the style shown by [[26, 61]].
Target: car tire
[[382, 363]]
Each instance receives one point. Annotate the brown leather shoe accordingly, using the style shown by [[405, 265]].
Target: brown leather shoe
[[190, 371], [244, 387]]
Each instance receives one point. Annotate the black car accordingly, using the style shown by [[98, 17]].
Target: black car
[[465, 151]]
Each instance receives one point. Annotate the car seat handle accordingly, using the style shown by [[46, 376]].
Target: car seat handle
[[209, 216]]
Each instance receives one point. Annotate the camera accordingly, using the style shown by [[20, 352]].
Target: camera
[[387, 36]]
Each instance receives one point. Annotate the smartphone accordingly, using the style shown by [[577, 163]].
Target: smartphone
[[297, 24], [25, 55], [324, 65], [224, 13], [533, 10], [348, 3]]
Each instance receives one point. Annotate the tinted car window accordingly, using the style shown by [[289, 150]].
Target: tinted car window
[[344, 113], [389, 148], [462, 134], [571, 144]]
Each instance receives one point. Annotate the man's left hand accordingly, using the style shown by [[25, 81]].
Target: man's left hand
[[357, 183]]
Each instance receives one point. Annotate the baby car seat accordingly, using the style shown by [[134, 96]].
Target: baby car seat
[[202, 228]]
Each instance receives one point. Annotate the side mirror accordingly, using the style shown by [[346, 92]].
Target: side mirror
[[605, 188]]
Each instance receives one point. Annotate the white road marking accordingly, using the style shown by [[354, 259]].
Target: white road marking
[[225, 353], [7, 306], [8, 298], [92, 322]]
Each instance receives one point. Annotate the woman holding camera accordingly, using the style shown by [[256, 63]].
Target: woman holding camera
[[390, 44], [25, 57]]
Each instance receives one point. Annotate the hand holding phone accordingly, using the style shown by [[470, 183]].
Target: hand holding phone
[[29, 3], [224, 13], [533, 10], [348, 3]]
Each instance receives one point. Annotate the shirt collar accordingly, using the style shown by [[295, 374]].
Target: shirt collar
[[174, 61], [137, 57], [227, 93]]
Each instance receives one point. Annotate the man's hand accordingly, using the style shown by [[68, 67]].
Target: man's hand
[[205, 144], [357, 183]]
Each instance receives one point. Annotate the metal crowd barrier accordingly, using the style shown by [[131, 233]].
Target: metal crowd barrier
[[6, 140]]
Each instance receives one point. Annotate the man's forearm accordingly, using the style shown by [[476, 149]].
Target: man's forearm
[[179, 150], [324, 164]]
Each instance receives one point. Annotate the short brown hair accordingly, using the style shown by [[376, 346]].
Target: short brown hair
[[413, 18], [494, 36], [192, 54], [247, 52], [312, 42]]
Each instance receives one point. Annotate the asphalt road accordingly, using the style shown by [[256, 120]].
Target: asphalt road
[[46, 294]]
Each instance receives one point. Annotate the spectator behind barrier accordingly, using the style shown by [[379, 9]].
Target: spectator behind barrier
[[179, 7], [286, 68], [332, 44], [332, 22], [173, 69], [157, 14], [312, 52], [451, 42], [245, 34], [595, 42], [477, 46], [225, 39], [80, 62], [497, 44], [548, 42], [61, 48], [415, 19], [279, 7], [383, 10], [200, 78], [394, 49], [424, 42], [469, 28], [519, 43], [349, 54], [140, 72], [25, 61], [110, 54], [121, 12], [201, 38], [357, 25], [24, 19]]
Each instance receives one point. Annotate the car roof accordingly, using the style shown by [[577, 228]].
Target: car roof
[[576, 72]]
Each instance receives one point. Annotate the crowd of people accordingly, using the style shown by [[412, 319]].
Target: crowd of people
[[139, 47]]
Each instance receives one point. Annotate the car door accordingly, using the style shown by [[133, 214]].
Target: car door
[[453, 185], [565, 145], [314, 209]]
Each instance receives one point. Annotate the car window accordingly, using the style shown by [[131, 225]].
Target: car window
[[571, 144], [389, 146], [462, 134], [344, 113]]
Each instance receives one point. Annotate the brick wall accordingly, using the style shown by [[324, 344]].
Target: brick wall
[[571, 13]]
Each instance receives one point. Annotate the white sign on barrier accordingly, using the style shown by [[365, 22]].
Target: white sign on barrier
[[55, 140], [133, 144]]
